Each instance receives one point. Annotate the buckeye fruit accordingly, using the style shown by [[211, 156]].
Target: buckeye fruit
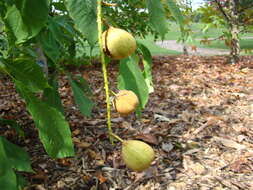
[[118, 43], [137, 155], [126, 102]]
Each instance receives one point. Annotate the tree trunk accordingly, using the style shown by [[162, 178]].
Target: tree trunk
[[185, 49], [234, 26], [41, 59]]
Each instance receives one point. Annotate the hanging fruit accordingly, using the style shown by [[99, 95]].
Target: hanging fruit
[[126, 102], [118, 43], [137, 155]]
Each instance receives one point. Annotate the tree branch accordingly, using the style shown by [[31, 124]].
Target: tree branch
[[222, 11], [245, 8]]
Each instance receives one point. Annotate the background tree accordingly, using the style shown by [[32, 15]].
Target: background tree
[[234, 15], [188, 12]]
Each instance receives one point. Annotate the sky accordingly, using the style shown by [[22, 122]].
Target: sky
[[196, 3]]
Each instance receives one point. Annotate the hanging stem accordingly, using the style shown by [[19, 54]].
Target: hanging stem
[[106, 86], [113, 93], [117, 137]]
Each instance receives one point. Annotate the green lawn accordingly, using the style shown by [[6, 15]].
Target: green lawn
[[174, 34]]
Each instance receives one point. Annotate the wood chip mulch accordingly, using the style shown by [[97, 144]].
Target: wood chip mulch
[[199, 121]]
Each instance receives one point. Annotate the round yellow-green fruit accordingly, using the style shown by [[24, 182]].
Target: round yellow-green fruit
[[126, 102], [137, 155], [118, 43]]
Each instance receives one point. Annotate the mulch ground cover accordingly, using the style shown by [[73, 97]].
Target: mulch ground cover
[[199, 120]]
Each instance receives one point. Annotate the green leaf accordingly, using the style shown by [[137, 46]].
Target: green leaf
[[5, 165], [147, 63], [84, 104], [14, 125], [157, 16], [84, 85], [8, 179], [17, 157], [12, 156], [2, 67], [23, 21], [65, 22], [57, 26], [27, 71], [34, 13], [21, 181], [59, 6], [54, 130], [51, 95], [131, 78], [50, 45], [13, 20], [84, 15], [175, 11], [56, 30]]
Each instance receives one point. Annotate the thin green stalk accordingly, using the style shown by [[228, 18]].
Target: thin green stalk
[[106, 85], [117, 137], [113, 93]]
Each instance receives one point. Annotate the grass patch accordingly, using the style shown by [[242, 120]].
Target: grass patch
[[156, 50]]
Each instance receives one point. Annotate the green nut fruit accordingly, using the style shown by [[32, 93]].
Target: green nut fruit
[[118, 43], [137, 155], [126, 102]]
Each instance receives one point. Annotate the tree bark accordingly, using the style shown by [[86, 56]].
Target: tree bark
[[185, 49], [234, 27]]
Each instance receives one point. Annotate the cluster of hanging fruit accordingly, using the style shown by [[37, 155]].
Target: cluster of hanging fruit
[[119, 44], [136, 154]]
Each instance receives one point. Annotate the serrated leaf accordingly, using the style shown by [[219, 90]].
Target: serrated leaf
[[8, 178], [51, 95], [27, 71], [17, 157], [34, 13], [157, 16], [13, 20], [147, 63], [60, 28], [131, 78], [84, 86], [21, 182], [14, 125], [84, 15], [50, 45], [2, 67], [8, 161], [5, 165], [84, 104], [54, 130], [56, 30], [65, 22], [59, 6], [175, 11], [23, 22]]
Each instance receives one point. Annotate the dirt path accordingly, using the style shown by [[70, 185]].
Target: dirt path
[[173, 45]]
